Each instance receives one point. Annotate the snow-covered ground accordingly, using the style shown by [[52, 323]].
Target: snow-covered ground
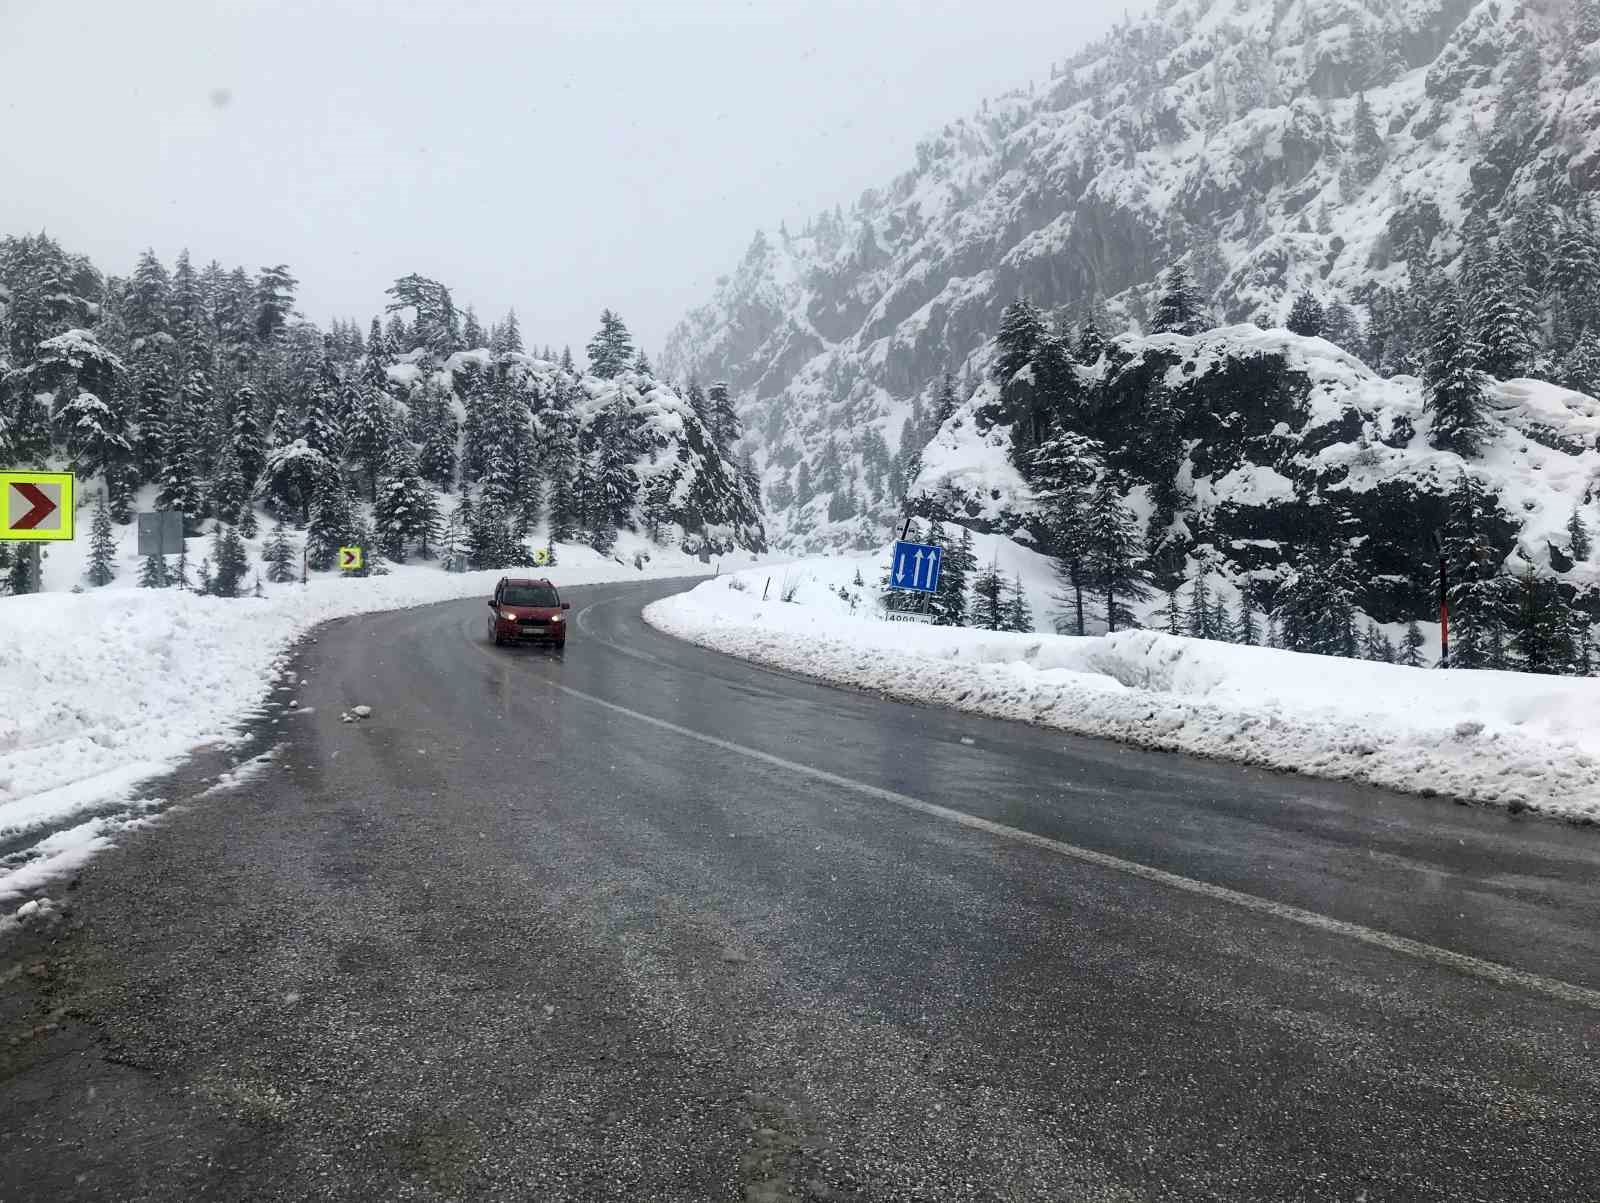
[[1496, 738], [105, 689]]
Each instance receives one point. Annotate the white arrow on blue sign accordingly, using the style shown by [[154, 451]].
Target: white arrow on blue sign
[[916, 567]]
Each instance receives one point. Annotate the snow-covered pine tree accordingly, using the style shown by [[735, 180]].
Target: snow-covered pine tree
[[229, 494], [1578, 536], [1453, 386], [511, 334], [989, 606], [279, 556], [1021, 329], [1376, 645], [1411, 651], [456, 542], [1505, 318], [153, 573], [1542, 630], [274, 302], [726, 426], [696, 397], [1366, 144], [472, 334], [1307, 316], [154, 385], [373, 434], [1116, 556], [950, 603], [1174, 620], [441, 433], [232, 561], [405, 513], [332, 521], [611, 349], [181, 472], [102, 545], [641, 364], [1178, 308], [1246, 629], [1019, 615], [1204, 613], [248, 435]]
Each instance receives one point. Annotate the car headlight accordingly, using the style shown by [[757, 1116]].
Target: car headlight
[[558, 618], [508, 616]]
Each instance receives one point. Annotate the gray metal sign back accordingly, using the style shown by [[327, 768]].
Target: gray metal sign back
[[160, 534]]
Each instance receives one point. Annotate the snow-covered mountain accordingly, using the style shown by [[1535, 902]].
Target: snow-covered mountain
[[1277, 148]]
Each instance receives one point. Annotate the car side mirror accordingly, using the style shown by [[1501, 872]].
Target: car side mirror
[[491, 603], [566, 605]]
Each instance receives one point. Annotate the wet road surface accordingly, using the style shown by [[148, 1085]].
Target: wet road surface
[[643, 922]]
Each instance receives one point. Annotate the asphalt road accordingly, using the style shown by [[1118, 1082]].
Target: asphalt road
[[641, 922]]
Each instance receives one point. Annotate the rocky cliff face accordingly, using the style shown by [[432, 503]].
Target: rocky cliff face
[[1223, 134]]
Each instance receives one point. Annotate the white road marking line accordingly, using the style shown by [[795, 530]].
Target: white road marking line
[[1502, 975]]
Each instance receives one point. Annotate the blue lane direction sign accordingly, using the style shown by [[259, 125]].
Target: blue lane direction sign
[[916, 567]]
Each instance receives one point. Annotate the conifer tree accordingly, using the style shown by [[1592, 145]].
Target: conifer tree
[[1307, 317], [179, 575], [511, 335], [232, 561], [229, 494], [154, 386], [472, 334], [1178, 309], [1245, 628], [1505, 317], [102, 546], [1019, 616], [1453, 386], [274, 302], [1174, 620], [989, 607], [1366, 144], [726, 426], [641, 364], [1578, 536], [332, 522], [204, 584], [455, 544], [1021, 330], [279, 557], [1377, 646], [1411, 652], [1115, 552], [1542, 631], [374, 436], [249, 436], [405, 513], [153, 573], [611, 349]]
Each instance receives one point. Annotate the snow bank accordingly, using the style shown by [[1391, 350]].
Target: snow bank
[[1488, 737], [102, 690]]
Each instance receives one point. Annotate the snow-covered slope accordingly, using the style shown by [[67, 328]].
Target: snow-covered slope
[[1284, 444], [1497, 738], [1222, 133]]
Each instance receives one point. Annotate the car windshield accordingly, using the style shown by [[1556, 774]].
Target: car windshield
[[529, 595]]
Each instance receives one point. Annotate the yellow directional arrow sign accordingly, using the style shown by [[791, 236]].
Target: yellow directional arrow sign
[[349, 559], [36, 505]]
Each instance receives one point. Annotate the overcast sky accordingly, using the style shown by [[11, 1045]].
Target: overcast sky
[[557, 156]]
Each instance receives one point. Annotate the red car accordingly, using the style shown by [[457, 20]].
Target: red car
[[527, 610]]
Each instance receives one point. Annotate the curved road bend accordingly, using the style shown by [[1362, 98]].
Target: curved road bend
[[643, 922]]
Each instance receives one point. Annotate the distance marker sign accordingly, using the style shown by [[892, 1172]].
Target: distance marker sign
[[36, 505]]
